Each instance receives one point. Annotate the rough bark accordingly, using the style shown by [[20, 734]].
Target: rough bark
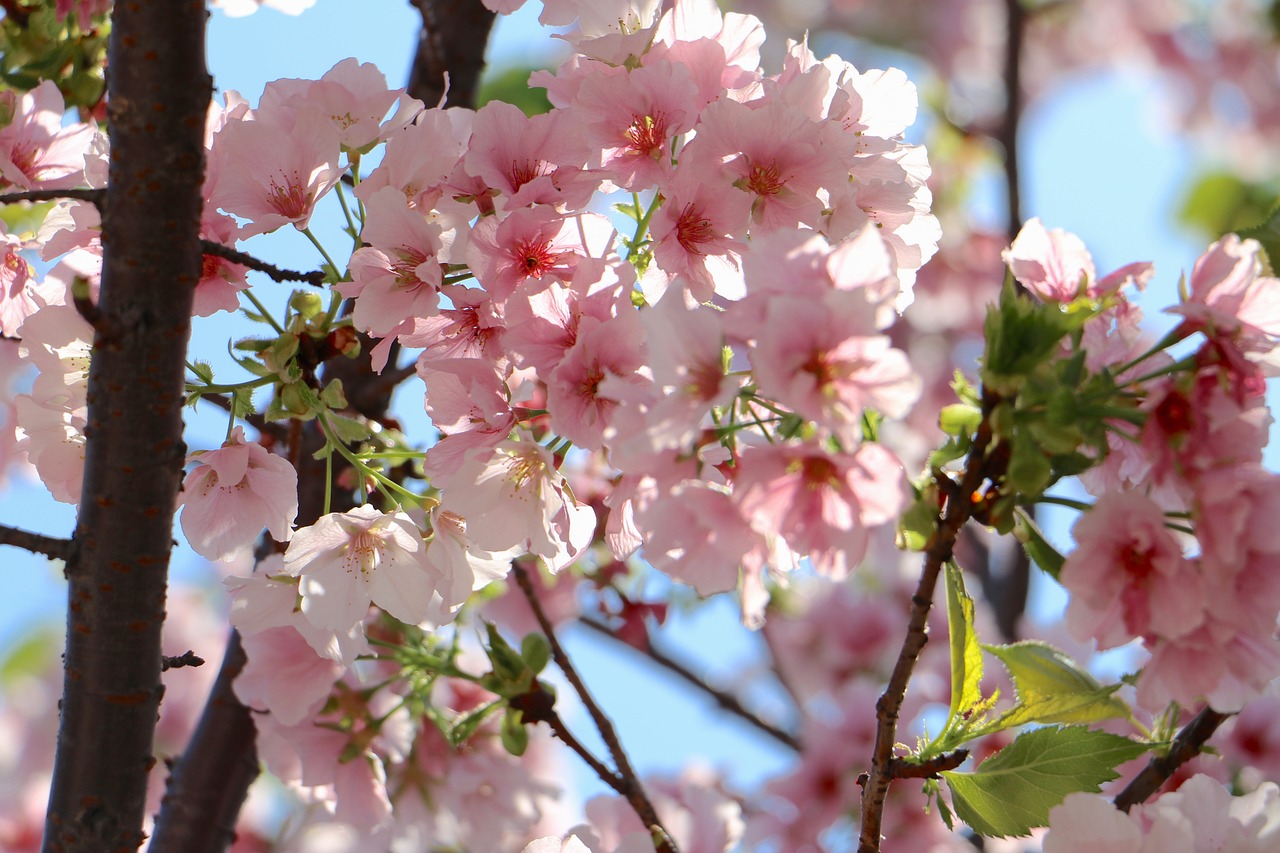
[[159, 90], [452, 41]]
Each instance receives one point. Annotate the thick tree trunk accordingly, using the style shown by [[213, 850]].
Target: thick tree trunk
[[159, 91]]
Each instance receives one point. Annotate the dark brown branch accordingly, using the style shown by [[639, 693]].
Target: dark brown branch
[[51, 546], [208, 784], [979, 467], [212, 247], [452, 41], [1186, 746], [1007, 135], [725, 701], [159, 92], [96, 196], [630, 787], [901, 769], [187, 658]]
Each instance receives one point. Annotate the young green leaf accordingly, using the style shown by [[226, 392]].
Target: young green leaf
[[1012, 792], [966, 653], [1052, 688], [1038, 548]]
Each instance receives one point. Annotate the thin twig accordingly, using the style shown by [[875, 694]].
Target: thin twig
[[212, 247], [630, 787], [724, 700], [51, 546], [1186, 745], [979, 467], [187, 658], [96, 196]]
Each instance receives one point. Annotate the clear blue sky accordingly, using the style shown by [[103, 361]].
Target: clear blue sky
[[1097, 163]]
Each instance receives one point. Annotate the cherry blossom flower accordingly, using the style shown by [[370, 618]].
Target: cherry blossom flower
[[398, 274], [347, 560], [271, 171], [36, 151], [234, 492], [352, 95], [1128, 577], [1234, 304], [514, 496], [528, 160], [772, 152], [631, 119], [821, 504], [530, 245]]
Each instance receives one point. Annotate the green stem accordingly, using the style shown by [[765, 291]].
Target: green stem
[[231, 389], [328, 260], [1067, 502], [386, 484], [262, 310]]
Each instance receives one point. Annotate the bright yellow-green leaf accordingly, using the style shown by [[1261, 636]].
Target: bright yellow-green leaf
[[1012, 792]]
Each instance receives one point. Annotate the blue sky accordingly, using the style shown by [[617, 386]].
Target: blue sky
[[1097, 163]]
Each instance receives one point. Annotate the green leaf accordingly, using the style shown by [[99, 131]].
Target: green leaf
[[515, 737], [918, 523], [512, 85], [966, 652], [1267, 233], [465, 726], [22, 220], [348, 429], [960, 419], [536, 652], [1012, 792], [1038, 548], [1052, 688]]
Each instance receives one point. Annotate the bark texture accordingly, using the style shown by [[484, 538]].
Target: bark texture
[[159, 90]]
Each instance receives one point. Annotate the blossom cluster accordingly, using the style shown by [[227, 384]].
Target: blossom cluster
[[699, 378], [1207, 618]]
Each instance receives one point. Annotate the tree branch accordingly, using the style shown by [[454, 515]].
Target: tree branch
[[208, 784], [1186, 746], [1007, 135], [94, 196], [452, 42], [159, 92], [212, 247], [629, 783], [959, 508], [51, 546], [725, 701]]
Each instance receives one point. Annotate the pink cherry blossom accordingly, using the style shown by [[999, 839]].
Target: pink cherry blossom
[[697, 235], [774, 154], [822, 359], [234, 492], [514, 496], [631, 119], [1233, 303], [1128, 577], [273, 172], [220, 279], [528, 160], [36, 151], [1053, 264], [820, 503], [398, 274], [18, 293], [352, 95], [468, 402], [604, 367], [347, 560], [285, 676], [535, 245]]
